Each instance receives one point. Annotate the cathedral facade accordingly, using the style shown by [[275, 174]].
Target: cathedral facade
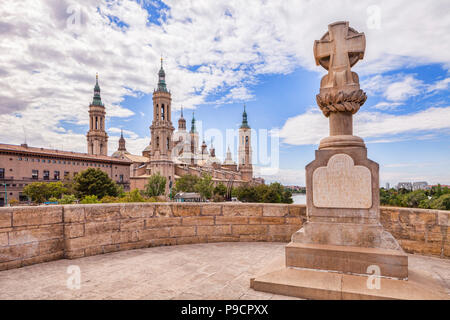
[[174, 154]]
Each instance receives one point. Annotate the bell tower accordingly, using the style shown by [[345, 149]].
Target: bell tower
[[97, 138], [161, 132], [245, 149]]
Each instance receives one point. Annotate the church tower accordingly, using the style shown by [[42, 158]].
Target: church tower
[[122, 146], [245, 149], [97, 138], [161, 132]]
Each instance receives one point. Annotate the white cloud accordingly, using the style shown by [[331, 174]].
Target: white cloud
[[310, 127], [402, 90], [439, 85], [386, 105], [394, 88]]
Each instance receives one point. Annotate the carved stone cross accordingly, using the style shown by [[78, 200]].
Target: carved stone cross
[[337, 51]]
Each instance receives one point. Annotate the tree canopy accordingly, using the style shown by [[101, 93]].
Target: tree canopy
[[156, 185], [92, 182], [40, 192]]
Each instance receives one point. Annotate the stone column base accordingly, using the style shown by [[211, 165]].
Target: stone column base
[[347, 259]]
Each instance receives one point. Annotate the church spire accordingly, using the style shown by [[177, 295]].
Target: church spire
[[97, 101], [162, 78], [122, 142], [181, 121], [244, 124], [193, 129]]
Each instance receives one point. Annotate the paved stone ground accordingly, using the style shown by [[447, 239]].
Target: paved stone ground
[[200, 271]]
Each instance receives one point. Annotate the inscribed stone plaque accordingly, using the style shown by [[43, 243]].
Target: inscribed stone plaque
[[341, 184]]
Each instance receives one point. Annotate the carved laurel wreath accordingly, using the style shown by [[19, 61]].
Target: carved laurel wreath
[[341, 101]]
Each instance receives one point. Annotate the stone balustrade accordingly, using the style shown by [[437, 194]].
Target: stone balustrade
[[30, 235]]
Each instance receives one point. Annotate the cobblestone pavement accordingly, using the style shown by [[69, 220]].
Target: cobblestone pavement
[[199, 271]]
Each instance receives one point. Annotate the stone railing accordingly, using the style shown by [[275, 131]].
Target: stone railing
[[31, 235], [422, 231]]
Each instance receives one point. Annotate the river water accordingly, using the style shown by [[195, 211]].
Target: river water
[[299, 198]]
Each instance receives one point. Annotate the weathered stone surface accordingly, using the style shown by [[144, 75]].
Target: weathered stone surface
[[51, 246], [111, 228], [102, 213], [36, 234], [191, 240], [18, 252], [275, 210], [186, 210], [198, 221], [28, 216], [133, 224], [163, 210], [94, 228], [3, 239], [73, 213], [133, 210], [297, 210], [150, 234], [162, 222], [211, 210], [5, 218], [242, 210], [74, 230], [249, 229], [182, 231], [266, 220], [231, 220], [214, 230], [341, 184]]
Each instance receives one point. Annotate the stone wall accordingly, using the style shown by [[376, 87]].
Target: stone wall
[[96, 229], [422, 231], [31, 235]]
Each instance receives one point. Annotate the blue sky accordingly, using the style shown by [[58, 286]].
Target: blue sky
[[220, 55]]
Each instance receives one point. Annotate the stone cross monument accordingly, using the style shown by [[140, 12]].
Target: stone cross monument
[[343, 232], [342, 246]]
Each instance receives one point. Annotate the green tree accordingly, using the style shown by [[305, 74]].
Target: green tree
[[413, 199], [133, 196], [95, 182], [186, 183], [89, 199], [40, 192], [67, 199], [205, 186], [441, 203], [156, 185], [287, 197]]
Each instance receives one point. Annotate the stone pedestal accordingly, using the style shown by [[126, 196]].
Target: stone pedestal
[[343, 232]]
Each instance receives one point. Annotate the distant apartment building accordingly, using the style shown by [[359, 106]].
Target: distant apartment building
[[421, 185], [412, 186], [404, 185], [22, 165], [387, 186]]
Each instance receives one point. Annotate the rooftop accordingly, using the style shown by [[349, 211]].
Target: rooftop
[[52, 152]]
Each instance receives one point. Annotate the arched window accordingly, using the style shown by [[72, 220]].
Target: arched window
[[157, 112], [162, 112], [157, 142], [168, 143], [246, 140], [96, 123]]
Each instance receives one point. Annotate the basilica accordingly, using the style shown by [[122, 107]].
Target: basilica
[[173, 153]]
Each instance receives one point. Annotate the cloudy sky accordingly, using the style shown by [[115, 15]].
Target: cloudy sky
[[219, 55]]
